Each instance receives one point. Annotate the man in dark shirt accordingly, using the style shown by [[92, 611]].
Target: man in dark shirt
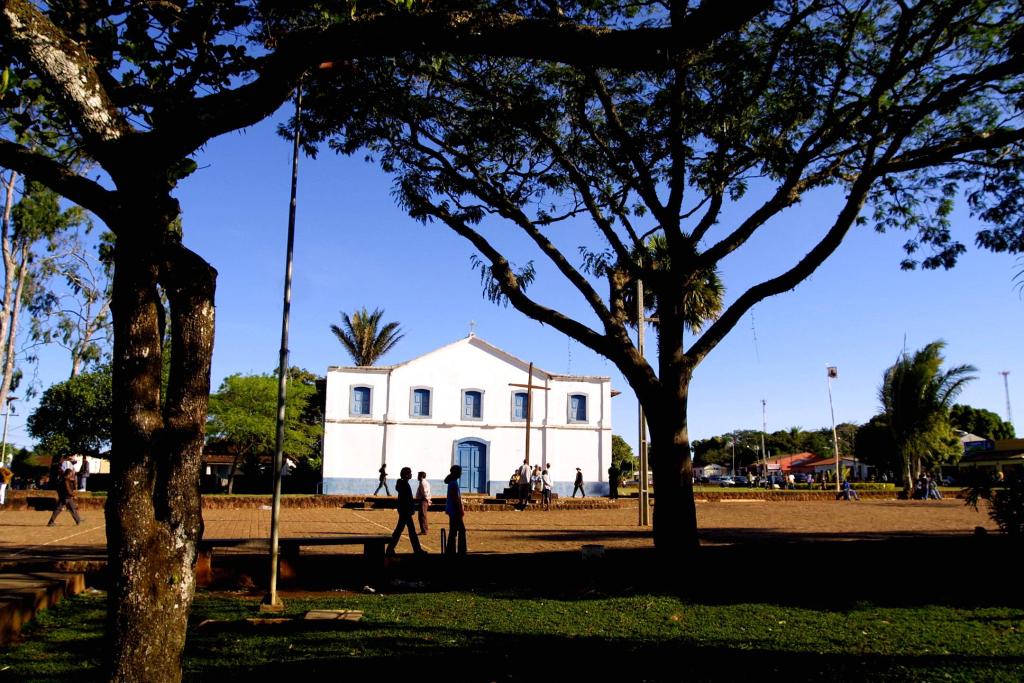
[[578, 484], [406, 509], [613, 482]]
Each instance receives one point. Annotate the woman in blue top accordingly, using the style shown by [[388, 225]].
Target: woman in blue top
[[456, 512]]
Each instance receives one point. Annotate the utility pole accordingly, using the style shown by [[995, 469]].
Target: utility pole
[[641, 322], [833, 373], [732, 442], [764, 428], [1006, 387], [271, 603]]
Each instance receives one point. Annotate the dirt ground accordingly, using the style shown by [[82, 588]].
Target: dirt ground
[[559, 530], [24, 533]]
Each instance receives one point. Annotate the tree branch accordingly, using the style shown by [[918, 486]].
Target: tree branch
[[461, 33], [72, 186], [66, 67], [614, 344], [789, 279]]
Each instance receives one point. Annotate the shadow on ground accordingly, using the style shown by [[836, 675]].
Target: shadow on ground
[[734, 568], [520, 657]]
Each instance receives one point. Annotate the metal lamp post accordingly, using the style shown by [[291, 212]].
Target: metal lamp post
[[764, 428], [271, 602], [3, 454], [833, 373], [644, 495]]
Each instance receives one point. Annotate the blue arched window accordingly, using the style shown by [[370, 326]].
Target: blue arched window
[[472, 404], [577, 407]]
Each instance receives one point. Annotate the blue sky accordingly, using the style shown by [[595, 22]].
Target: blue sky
[[355, 248]]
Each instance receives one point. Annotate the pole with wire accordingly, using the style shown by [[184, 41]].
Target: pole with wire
[[832, 374], [271, 602], [644, 493]]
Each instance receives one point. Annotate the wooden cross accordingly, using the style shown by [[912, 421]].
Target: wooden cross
[[529, 405]]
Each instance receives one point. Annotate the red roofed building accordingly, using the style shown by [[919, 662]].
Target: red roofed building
[[786, 463], [809, 463]]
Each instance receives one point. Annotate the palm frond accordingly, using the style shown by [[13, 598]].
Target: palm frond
[[360, 337]]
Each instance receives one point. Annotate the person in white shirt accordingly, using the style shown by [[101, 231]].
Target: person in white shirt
[[546, 488], [423, 500], [524, 484]]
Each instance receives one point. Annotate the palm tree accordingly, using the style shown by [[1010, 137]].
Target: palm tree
[[703, 297], [362, 340], [916, 395]]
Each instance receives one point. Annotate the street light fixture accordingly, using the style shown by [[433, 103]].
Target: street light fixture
[[10, 407], [833, 373]]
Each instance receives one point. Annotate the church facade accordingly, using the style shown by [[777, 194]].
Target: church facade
[[465, 403]]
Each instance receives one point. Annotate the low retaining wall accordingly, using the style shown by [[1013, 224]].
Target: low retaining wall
[[47, 500]]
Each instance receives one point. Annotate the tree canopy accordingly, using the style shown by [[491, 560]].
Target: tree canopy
[[243, 416], [622, 455], [980, 422], [75, 416], [718, 449]]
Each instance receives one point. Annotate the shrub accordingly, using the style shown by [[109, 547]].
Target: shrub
[[1005, 502]]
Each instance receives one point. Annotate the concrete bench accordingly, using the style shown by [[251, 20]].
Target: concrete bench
[[373, 551]]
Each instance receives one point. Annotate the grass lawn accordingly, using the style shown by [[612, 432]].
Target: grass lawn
[[491, 635]]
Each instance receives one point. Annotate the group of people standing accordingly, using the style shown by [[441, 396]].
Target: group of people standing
[[527, 481], [926, 488], [419, 504]]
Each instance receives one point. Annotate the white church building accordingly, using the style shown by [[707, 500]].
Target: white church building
[[465, 403]]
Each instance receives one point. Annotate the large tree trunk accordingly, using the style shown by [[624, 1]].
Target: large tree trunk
[[675, 515], [908, 474], [154, 506]]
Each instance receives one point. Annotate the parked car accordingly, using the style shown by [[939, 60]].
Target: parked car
[[726, 480], [740, 480], [800, 478]]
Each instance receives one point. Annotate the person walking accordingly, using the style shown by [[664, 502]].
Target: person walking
[[422, 500], [406, 508], [65, 498], [383, 482], [456, 512], [578, 484]]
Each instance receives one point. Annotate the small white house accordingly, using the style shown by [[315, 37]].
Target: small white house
[[466, 404]]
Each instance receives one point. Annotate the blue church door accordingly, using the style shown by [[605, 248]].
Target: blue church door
[[471, 456]]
